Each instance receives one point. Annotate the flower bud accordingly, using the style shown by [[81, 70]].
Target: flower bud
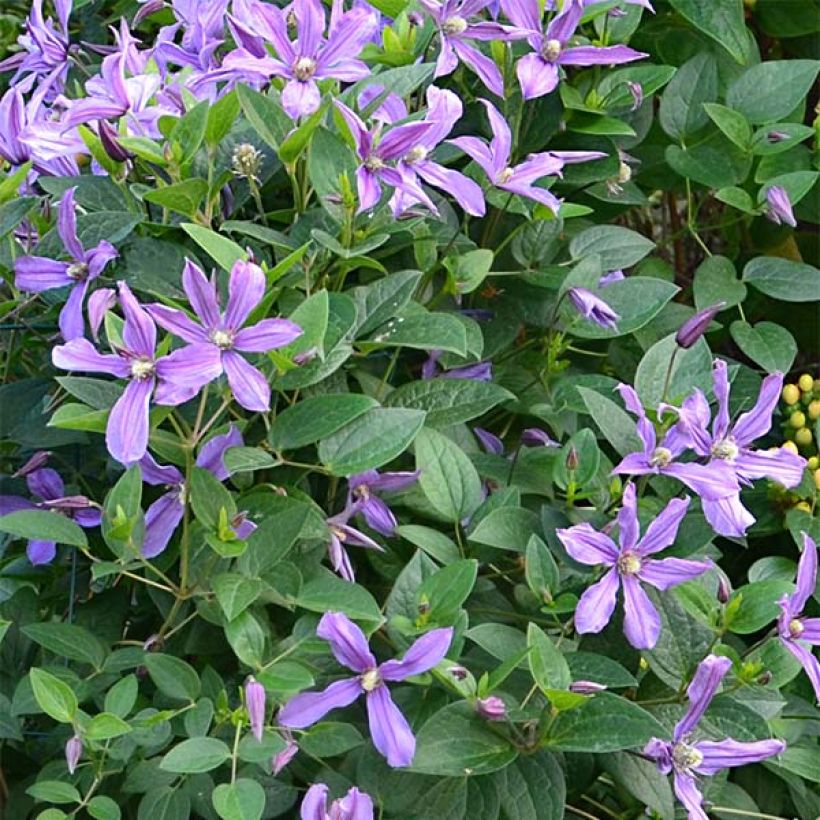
[[776, 136], [765, 678], [636, 90], [779, 206], [791, 394], [73, 752], [573, 459], [458, 672], [535, 437], [491, 708], [586, 687], [37, 461], [111, 145], [255, 704], [305, 357], [692, 329], [147, 8], [286, 755], [805, 383], [247, 161], [724, 589], [797, 419]]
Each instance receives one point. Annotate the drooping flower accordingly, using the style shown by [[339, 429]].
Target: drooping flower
[[287, 754], [391, 733], [171, 379], [717, 481], [362, 498], [225, 332], [730, 444], [255, 704], [202, 23], [793, 629], [695, 326], [310, 58], [491, 443], [73, 753], [343, 535], [688, 758], [593, 308], [99, 303], [609, 278], [36, 274], [779, 206], [355, 805], [538, 72], [46, 485], [630, 563], [536, 437], [519, 179], [478, 372]]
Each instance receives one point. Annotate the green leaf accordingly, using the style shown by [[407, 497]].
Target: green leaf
[[783, 279], [247, 460], [424, 331], [247, 638], [383, 299], [285, 676], [12, 213], [800, 760], [371, 440], [43, 525], [755, 605], [448, 478], [604, 723], [68, 641], [446, 590], [716, 281], [434, 543], [547, 664], [312, 315], [789, 134], [617, 247], [769, 91], [106, 726], [53, 696], [616, 424], [714, 162], [532, 788], [506, 528], [196, 755], [599, 669], [173, 676], [328, 739], [235, 593], [768, 344], [221, 117], [208, 497], [297, 139], [736, 198], [722, 20], [221, 249], [123, 523], [642, 779], [327, 593], [265, 115], [103, 808], [540, 569], [695, 83], [244, 799], [733, 124], [189, 130], [53, 791], [121, 697], [692, 368], [183, 197], [316, 417], [455, 742]]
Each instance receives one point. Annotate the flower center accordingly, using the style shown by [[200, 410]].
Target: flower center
[[339, 533], [661, 457], [78, 271], [505, 176], [725, 449], [685, 757], [223, 339], [142, 368], [551, 51], [182, 493], [362, 491], [370, 680], [796, 628], [629, 563], [374, 163], [624, 173], [416, 154], [454, 25], [304, 68]]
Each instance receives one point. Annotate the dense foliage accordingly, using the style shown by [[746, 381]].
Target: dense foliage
[[409, 409]]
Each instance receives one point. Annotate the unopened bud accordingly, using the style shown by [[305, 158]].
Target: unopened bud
[[458, 672], [73, 752], [765, 679], [776, 136], [148, 8], [491, 708], [535, 437], [286, 755], [694, 328], [255, 704], [110, 143], [586, 687], [724, 589], [37, 461], [572, 459], [306, 356], [152, 644]]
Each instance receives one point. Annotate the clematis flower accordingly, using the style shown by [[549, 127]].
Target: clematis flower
[[536, 437], [36, 274], [255, 704], [688, 758], [631, 563], [355, 805], [717, 481], [224, 331], [609, 278], [310, 58], [171, 379], [593, 308], [202, 23], [391, 733], [46, 485], [73, 753], [730, 445], [491, 443], [479, 372], [452, 17], [375, 151], [538, 72], [779, 205], [341, 535], [794, 630], [495, 160], [361, 497], [281, 760], [165, 514]]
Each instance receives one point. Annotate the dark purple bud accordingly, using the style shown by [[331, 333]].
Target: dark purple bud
[[69, 502], [692, 329], [572, 459], [255, 703], [458, 672], [424, 608], [491, 708], [73, 751], [616, 13], [415, 19], [148, 8], [227, 201], [724, 590], [110, 143], [776, 136], [489, 441], [765, 679], [586, 687], [535, 437], [34, 463]]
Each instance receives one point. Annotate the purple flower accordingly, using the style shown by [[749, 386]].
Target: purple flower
[[636, 90], [729, 445], [630, 564], [177, 377], [779, 205], [495, 160], [538, 72], [694, 327], [164, 515], [342, 535], [479, 372], [491, 443], [286, 755], [37, 273], [794, 630], [688, 758], [452, 17], [718, 481], [310, 58], [224, 331], [355, 805], [609, 278], [536, 437], [375, 151], [390, 731], [202, 23], [586, 687], [99, 303], [593, 308], [255, 704], [361, 497], [73, 752], [47, 486], [491, 708]]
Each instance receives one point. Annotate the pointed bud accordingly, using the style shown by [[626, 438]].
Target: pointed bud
[[148, 8], [724, 589], [73, 752], [779, 206], [776, 136], [692, 329], [586, 687], [491, 708], [286, 755], [226, 201], [37, 461], [765, 679], [111, 145], [573, 459], [536, 437], [255, 704], [306, 356]]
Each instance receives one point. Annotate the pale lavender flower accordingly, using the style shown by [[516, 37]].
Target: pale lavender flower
[[391, 108], [694, 327], [794, 630], [255, 704], [593, 308], [609, 278], [688, 758], [729, 445], [491, 708], [165, 514], [362, 498], [310, 58], [391, 733], [286, 755], [631, 563], [202, 23], [779, 206], [36, 274], [99, 303], [343, 535], [225, 331], [495, 160], [46, 485], [355, 805], [73, 752], [177, 377], [717, 481], [538, 72]]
